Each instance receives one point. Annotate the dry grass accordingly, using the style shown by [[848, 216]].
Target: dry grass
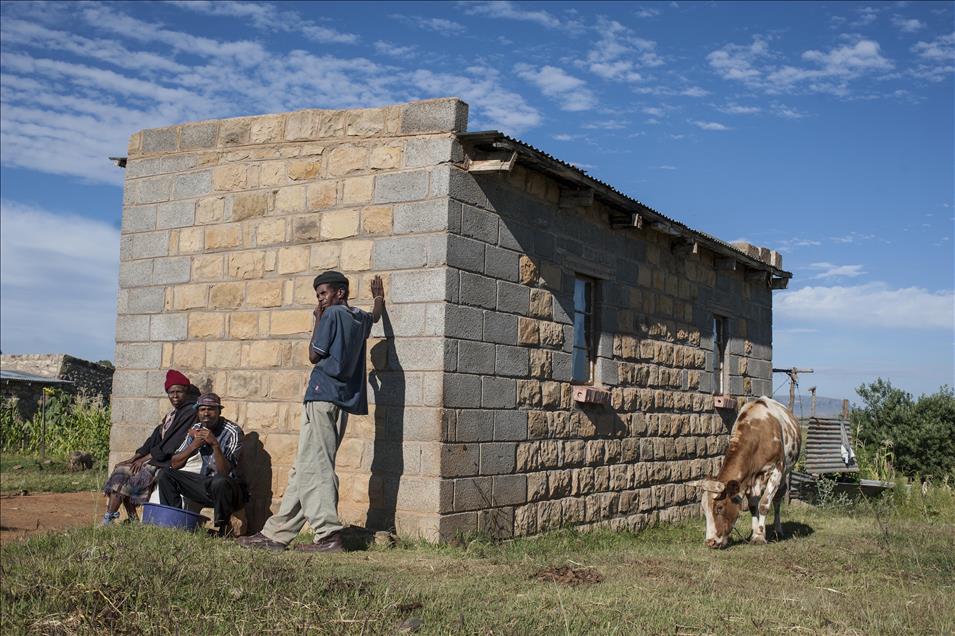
[[883, 569]]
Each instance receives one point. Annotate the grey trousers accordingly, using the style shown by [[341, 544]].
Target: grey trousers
[[312, 491]]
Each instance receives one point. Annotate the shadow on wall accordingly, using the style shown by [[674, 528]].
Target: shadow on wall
[[256, 467], [387, 381]]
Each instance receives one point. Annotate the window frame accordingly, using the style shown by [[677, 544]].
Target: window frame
[[720, 368], [591, 321]]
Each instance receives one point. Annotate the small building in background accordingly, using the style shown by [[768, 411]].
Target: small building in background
[[25, 376]]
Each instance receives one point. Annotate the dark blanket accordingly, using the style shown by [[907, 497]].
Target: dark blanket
[[163, 447]]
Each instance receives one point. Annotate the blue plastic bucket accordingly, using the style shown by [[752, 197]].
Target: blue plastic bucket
[[170, 517]]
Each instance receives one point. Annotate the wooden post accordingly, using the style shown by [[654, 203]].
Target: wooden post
[[845, 410], [793, 381], [43, 425], [812, 390]]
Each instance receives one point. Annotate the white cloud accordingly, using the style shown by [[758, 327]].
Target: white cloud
[[828, 270], [852, 237], [937, 58], [21, 32], [940, 49], [503, 9], [606, 124], [66, 117], [438, 25], [709, 125], [619, 53], [270, 18], [867, 15], [654, 111], [869, 305], [664, 167], [647, 12], [787, 245], [694, 91], [394, 50], [570, 91], [907, 25], [827, 72], [787, 112], [737, 109], [58, 287], [738, 62]]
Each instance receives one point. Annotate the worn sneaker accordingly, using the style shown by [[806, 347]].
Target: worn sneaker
[[331, 543], [260, 541]]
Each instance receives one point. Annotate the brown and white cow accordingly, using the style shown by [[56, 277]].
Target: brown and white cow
[[762, 450]]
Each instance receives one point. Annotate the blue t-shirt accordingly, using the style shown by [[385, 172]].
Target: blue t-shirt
[[339, 377]]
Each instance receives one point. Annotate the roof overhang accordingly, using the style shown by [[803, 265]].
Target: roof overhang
[[493, 151]]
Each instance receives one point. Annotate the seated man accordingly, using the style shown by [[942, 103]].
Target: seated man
[[218, 442], [132, 480]]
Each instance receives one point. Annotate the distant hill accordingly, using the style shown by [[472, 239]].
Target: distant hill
[[825, 406]]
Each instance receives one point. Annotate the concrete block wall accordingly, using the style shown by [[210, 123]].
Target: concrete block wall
[[520, 456], [225, 223]]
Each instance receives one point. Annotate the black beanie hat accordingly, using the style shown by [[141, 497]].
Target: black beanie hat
[[329, 277]]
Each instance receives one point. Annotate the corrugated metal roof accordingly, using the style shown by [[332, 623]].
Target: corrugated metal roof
[[21, 376], [491, 136]]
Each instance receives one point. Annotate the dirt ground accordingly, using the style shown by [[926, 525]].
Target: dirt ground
[[27, 515]]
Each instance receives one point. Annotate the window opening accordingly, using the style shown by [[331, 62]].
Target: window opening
[[719, 355], [584, 330]]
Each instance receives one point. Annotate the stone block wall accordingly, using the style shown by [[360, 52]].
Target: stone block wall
[[521, 457], [225, 224]]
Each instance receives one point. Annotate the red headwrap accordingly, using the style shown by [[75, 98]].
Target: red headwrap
[[173, 377]]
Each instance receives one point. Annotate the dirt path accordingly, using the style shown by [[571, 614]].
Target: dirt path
[[27, 515]]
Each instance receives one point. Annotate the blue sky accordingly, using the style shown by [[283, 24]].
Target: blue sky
[[822, 130]]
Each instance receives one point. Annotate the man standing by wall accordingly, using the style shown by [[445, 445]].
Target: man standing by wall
[[337, 386]]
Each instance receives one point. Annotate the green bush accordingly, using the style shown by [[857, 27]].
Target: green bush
[[913, 437], [73, 423]]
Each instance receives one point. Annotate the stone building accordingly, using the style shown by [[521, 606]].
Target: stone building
[[514, 283], [23, 376]]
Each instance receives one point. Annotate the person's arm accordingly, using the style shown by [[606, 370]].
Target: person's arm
[[378, 291], [223, 465], [179, 459], [314, 355]]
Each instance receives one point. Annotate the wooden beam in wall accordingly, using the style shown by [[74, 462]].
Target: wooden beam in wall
[[685, 248], [500, 164], [778, 283]]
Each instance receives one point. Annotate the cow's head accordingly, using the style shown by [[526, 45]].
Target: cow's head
[[721, 505]]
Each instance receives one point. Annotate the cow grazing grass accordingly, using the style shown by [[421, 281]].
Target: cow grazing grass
[[884, 568]]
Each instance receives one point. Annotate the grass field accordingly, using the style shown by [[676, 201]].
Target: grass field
[[872, 569], [34, 476]]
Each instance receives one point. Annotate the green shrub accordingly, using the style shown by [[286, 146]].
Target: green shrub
[[913, 437], [73, 423]]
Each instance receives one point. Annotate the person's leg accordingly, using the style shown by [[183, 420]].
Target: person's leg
[[176, 484], [285, 525], [318, 486], [225, 496]]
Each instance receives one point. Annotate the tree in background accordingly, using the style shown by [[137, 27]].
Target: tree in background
[[921, 434]]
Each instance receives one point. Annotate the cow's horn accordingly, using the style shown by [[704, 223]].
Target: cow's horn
[[711, 485]]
